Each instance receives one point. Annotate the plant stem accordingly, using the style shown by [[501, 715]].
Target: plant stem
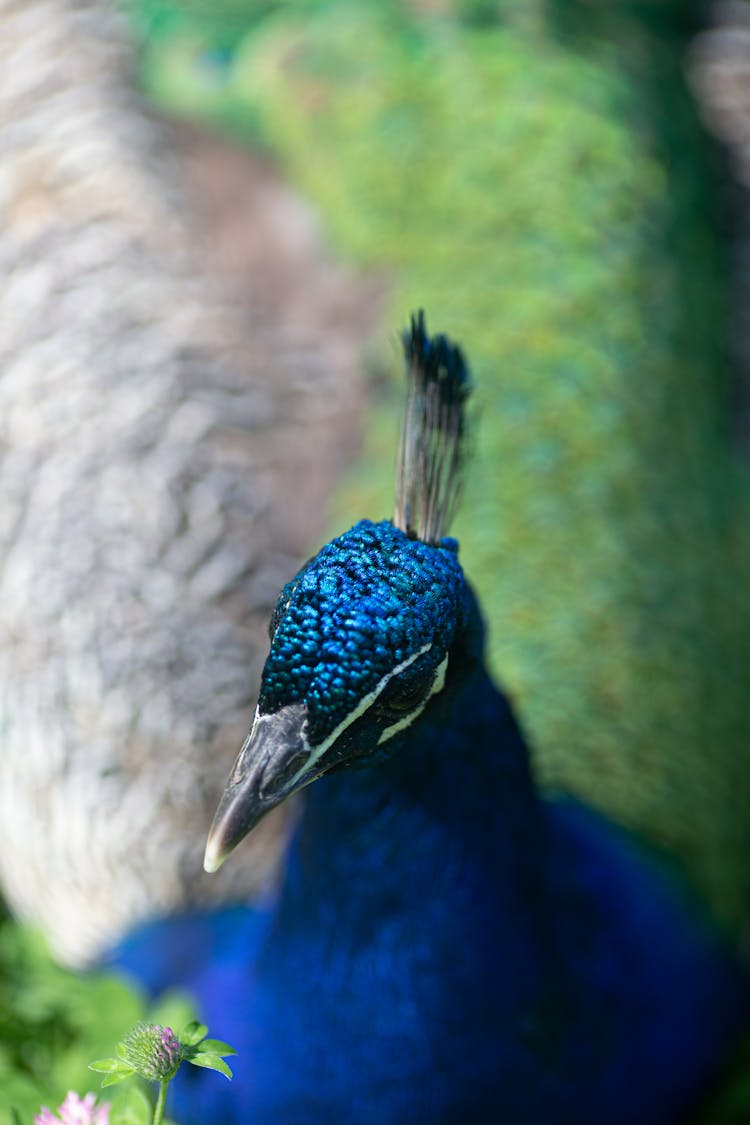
[[160, 1102]]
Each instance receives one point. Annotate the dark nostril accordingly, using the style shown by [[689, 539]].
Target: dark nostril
[[282, 777]]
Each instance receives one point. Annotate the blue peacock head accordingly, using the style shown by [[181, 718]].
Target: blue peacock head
[[361, 637]]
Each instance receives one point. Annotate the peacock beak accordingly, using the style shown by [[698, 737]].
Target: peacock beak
[[273, 763]]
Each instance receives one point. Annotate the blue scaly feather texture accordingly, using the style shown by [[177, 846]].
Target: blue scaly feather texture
[[343, 624], [445, 945]]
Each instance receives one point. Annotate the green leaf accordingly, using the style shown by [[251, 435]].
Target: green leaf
[[130, 1106], [216, 1047], [210, 1062], [113, 1079], [112, 1066], [193, 1034], [115, 1070]]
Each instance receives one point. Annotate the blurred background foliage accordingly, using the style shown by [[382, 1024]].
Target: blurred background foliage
[[53, 1023], [534, 175]]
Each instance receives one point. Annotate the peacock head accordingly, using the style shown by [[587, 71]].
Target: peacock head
[[361, 637]]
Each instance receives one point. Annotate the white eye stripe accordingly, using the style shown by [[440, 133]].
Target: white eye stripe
[[315, 753], [437, 685]]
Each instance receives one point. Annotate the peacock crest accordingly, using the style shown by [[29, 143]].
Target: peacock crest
[[432, 447]]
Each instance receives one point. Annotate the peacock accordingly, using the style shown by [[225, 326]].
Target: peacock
[[445, 944]]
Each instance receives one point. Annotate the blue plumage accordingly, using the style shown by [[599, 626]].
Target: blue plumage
[[445, 946], [346, 620]]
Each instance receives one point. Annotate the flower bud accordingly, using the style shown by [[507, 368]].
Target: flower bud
[[154, 1051]]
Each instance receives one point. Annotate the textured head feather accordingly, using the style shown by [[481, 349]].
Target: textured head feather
[[432, 446]]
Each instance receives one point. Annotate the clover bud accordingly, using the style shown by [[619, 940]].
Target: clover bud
[[152, 1050]]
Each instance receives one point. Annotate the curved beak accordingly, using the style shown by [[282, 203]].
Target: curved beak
[[274, 762]]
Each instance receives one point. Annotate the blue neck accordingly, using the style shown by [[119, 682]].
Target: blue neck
[[447, 834]]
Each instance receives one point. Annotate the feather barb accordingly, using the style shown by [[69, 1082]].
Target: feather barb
[[431, 454]]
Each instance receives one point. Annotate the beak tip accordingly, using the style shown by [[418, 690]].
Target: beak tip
[[212, 859], [257, 782]]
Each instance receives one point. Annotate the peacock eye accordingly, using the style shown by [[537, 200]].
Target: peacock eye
[[401, 700]]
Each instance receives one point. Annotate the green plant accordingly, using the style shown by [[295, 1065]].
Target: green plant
[[54, 1021], [156, 1053]]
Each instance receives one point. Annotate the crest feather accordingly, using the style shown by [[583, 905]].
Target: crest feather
[[431, 451]]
